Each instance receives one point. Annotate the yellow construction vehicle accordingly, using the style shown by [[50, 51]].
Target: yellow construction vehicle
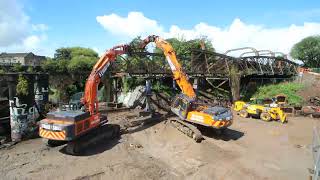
[[260, 108]]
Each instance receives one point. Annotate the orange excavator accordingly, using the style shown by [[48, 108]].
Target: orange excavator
[[69, 126], [186, 105]]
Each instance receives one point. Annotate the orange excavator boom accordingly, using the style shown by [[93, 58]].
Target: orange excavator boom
[[90, 94], [178, 74]]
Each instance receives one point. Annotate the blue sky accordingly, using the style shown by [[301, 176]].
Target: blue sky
[[228, 24]]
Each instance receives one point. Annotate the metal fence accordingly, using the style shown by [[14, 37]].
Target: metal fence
[[316, 153]]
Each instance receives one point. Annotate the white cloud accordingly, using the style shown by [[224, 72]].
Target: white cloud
[[13, 23], [134, 25], [237, 34], [17, 33], [34, 41]]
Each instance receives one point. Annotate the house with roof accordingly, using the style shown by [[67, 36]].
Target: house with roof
[[24, 59]]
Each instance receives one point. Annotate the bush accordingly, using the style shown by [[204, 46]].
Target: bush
[[71, 89], [2, 71], [288, 89], [129, 83], [161, 88], [22, 86], [30, 69], [17, 68]]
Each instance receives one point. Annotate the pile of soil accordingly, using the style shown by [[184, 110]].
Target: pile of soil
[[311, 87]]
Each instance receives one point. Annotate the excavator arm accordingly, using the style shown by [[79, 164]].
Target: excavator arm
[[90, 95], [178, 74]]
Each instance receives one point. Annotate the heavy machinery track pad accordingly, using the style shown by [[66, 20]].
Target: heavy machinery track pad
[[104, 132], [187, 128], [53, 143]]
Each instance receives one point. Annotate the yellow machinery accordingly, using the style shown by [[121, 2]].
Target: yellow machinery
[[259, 108]]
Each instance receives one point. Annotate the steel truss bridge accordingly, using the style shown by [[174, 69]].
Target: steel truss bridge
[[222, 72], [203, 63]]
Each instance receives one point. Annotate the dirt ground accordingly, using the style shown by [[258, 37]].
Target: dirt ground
[[311, 85], [250, 149]]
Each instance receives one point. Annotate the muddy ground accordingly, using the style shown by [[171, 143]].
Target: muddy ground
[[250, 149]]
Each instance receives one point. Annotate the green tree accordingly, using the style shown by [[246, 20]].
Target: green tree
[[62, 54], [308, 51], [132, 61], [80, 64], [17, 68], [71, 60], [70, 66], [22, 86], [30, 69], [49, 66], [82, 59], [184, 49], [80, 51]]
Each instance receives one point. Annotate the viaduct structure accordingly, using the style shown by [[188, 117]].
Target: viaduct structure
[[226, 75]]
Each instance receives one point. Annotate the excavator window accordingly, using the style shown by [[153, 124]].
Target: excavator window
[[180, 104], [176, 103], [184, 105], [181, 107]]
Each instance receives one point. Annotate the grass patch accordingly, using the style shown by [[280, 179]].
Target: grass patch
[[288, 89]]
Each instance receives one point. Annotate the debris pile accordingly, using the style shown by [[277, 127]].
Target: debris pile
[[133, 98]]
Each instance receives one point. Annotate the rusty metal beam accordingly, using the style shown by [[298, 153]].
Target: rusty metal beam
[[243, 48], [266, 52]]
